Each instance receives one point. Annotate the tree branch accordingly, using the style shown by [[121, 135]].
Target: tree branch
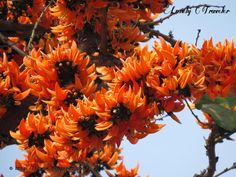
[[198, 35], [147, 27], [194, 115], [94, 172], [226, 170], [226, 135], [11, 119], [36, 25], [103, 42], [10, 29], [157, 33], [210, 147], [6, 41], [177, 11]]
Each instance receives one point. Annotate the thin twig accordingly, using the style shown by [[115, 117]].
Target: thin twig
[[36, 25], [6, 41], [195, 116], [226, 170], [109, 173], [94, 172], [198, 35], [219, 139], [177, 11], [161, 118]]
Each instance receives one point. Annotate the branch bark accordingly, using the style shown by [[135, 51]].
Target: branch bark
[[91, 169], [37, 24], [157, 33], [210, 147], [198, 35], [6, 41], [210, 151], [177, 11], [226, 170], [23, 31], [103, 43], [11, 119]]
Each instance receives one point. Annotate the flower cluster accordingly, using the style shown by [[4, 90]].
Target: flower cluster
[[25, 12], [78, 120], [120, 19]]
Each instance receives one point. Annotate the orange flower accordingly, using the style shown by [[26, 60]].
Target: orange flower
[[124, 113], [135, 67], [65, 66], [78, 124], [121, 171], [12, 86], [220, 68], [206, 124], [105, 73], [104, 159], [134, 71], [29, 165], [73, 15], [32, 131], [36, 10], [127, 39]]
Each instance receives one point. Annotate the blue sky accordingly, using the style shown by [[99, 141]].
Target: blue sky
[[177, 150]]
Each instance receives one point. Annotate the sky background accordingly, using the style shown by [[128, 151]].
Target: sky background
[[177, 150]]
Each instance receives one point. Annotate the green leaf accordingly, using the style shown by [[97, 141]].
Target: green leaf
[[223, 117], [228, 101]]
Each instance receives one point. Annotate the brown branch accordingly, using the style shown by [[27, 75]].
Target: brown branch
[[177, 11], [220, 138], [23, 31], [81, 166], [11, 119], [5, 141], [93, 171], [6, 41], [103, 42], [210, 150], [109, 173], [106, 59], [226, 170], [198, 35], [210, 147], [147, 27], [157, 33], [37, 24], [211, 142]]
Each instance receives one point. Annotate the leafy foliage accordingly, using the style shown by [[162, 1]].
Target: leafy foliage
[[220, 109]]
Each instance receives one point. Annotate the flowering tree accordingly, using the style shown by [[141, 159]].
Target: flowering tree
[[74, 83]]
